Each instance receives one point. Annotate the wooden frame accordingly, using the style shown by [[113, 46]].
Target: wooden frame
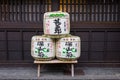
[[54, 62]]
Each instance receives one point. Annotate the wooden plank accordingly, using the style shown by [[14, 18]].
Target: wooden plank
[[82, 10], [22, 45], [47, 4], [114, 10], [87, 7], [70, 11], [44, 7], [110, 11], [12, 11], [102, 3], [89, 45], [7, 6], [90, 13], [98, 11], [31, 13], [16, 10], [62, 5], [75, 25], [8, 10], [78, 10], [75, 11], [36, 14], [55, 5], [4, 10], [1, 10], [54, 61], [94, 19], [40, 19], [23, 12], [20, 7], [118, 12], [106, 11], [27, 4], [105, 45], [6, 40], [66, 5]]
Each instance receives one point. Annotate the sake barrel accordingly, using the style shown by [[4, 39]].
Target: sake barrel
[[42, 48], [56, 24], [68, 48]]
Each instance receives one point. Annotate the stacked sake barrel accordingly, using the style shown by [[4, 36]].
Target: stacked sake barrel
[[56, 41], [42, 48]]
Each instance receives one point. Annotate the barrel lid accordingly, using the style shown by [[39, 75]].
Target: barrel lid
[[71, 38], [41, 38], [55, 14]]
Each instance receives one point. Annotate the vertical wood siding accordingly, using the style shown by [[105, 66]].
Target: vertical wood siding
[[95, 21]]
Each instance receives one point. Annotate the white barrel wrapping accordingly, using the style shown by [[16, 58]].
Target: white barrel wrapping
[[56, 23], [68, 48], [42, 48]]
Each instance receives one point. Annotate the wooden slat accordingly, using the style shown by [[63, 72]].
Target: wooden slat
[[66, 5], [23, 11], [118, 18], [106, 10], [110, 13], [22, 45], [7, 10], [103, 7], [82, 10], [0, 10], [31, 14], [47, 5], [4, 11], [93, 16], [75, 11], [36, 14], [78, 10], [115, 13], [105, 45], [12, 13], [28, 19], [62, 5], [89, 45], [71, 11], [6, 44], [44, 6], [98, 11], [87, 7], [90, 14], [40, 10], [95, 10], [20, 5], [16, 10], [54, 61]]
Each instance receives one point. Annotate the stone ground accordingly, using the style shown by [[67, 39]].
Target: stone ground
[[54, 73]]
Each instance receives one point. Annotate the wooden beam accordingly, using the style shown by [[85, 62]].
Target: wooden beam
[[54, 61]]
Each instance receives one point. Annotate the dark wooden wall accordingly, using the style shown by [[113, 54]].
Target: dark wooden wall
[[97, 22]]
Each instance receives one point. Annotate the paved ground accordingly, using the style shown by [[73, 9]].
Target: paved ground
[[54, 73]]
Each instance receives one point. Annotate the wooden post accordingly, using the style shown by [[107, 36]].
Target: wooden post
[[38, 70], [72, 70]]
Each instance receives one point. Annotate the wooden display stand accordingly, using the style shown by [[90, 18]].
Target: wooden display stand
[[54, 62]]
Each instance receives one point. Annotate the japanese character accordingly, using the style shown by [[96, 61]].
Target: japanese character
[[57, 24]]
